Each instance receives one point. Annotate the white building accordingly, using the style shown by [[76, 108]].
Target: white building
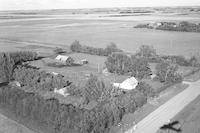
[[67, 59], [62, 91], [127, 84]]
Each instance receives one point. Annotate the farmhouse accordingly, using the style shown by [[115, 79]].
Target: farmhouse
[[66, 59], [127, 84], [62, 91]]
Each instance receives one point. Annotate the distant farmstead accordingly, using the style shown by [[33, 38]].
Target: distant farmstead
[[66, 59], [128, 84]]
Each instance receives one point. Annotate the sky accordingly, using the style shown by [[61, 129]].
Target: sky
[[71, 4]]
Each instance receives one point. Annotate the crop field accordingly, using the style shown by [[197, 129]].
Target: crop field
[[61, 31]]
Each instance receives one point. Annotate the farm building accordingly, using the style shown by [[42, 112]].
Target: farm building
[[67, 59], [62, 91], [127, 84]]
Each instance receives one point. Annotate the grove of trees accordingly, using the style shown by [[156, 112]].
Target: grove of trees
[[77, 47], [182, 26], [8, 61], [140, 67], [118, 63], [166, 71], [29, 103]]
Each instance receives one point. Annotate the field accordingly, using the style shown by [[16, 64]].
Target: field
[[98, 30]]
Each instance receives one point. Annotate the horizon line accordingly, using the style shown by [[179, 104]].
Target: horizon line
[[173, 6]]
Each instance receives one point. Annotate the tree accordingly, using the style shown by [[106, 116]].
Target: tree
[[76, 46], [146, 89], [167, 72], [139, 67], [146, 51], [118, 63], [94, 88], [112, 48], [7, 65]]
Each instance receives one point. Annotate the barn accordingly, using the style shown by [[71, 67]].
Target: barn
[[66, 59]]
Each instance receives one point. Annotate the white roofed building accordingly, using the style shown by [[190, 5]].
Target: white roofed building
[[127, 84], [66, 59], [62, 91]]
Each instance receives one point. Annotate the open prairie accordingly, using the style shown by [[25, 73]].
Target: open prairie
[[60, 30]]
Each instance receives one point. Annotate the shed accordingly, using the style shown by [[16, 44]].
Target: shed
[[84, 61], [127, 84], [67, 59]]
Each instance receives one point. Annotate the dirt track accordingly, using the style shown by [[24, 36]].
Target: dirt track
[[160, 116]]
